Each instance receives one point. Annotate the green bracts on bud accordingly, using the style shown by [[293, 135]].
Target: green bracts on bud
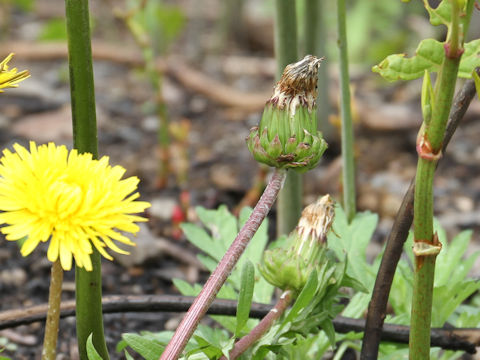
[[287, 136], [289, 268]]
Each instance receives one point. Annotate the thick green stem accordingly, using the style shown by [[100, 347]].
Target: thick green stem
[[429, 146], [49, 351], [289, 204], [348, 165], [88, 284]]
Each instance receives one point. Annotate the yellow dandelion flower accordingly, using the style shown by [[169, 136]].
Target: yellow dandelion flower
[[10, 78], [49, 193]]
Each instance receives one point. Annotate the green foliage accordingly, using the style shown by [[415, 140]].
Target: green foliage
[[222, 229], [306, 331], [91, 351], [245, 296], [476, 78], [430, 53], [158, 21], [428, 57], [451, 286], [24, 5], [54, 30]]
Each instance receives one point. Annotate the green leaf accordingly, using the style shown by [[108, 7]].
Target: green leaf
[[327, 327], [429, 56], [351, 243], [353, 283], [199, 237], [91, 351], [54, 30], [128, 356], [427, 98], [304, 298], [245, 297], [441, 15], [149, 348], [185, 288], [476, 78], [470, 59]]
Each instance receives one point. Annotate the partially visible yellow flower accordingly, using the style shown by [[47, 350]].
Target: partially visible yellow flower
[[49, 193], [10, 78]]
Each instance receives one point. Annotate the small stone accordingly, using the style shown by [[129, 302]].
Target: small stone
[[147, 247], [464, 204], [162, 208], [13, 277]]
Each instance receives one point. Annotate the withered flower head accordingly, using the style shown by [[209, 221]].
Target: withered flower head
[[289, 268], [287, 135]]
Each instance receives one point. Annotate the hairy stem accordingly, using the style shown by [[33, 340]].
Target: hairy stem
[[88, 283], [289, 206], [263, 326], [225, 266], [348, 166], [49, 351]]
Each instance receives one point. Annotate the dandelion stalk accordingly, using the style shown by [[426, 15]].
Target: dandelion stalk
[[289, 205], [348, 166], [217, 278], [429, 145], [49, 350], [88, 283]]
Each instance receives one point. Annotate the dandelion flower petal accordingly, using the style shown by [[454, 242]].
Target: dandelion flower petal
[[69, 199]]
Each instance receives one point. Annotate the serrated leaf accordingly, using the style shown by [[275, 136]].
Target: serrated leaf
[[245, 296], [441, 15], [470, 59], [92, 353], [199, 237], [352, 242], [148, 348], [428, 56]]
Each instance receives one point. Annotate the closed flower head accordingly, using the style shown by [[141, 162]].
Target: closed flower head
[[287, 135], [9, 78], [70, 199]]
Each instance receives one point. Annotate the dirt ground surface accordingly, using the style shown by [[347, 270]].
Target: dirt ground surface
[[215, 97]]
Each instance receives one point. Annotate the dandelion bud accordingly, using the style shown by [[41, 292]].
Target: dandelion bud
[[289, 269], [287, 135]]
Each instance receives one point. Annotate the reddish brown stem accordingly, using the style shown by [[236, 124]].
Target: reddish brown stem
[[220, 274], [263, 326]]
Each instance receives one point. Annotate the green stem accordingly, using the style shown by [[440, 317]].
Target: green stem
[[289, 204], [433, 135], [49, 351], [346, 113], [315, 34], [88, 284]]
